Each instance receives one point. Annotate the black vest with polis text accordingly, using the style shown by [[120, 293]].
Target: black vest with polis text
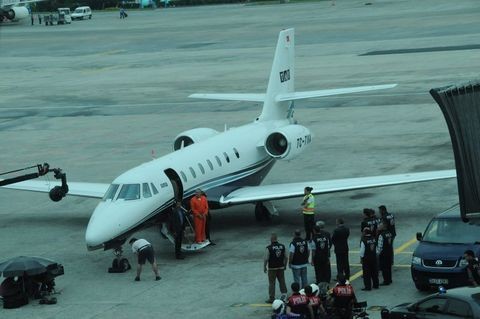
[[322, 244], [370, 247], [276, 255], [300, 256]]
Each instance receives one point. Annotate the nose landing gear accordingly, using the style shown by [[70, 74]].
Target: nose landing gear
[[119, 264]]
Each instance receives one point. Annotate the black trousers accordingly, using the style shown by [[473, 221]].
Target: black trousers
[[309, 222], [178, 243], [370, 272], [207, 225], [343, 265], [385, 265], [323, 270]]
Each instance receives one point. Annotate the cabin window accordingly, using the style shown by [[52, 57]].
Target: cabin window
[[129, 192], [237, 154], [218, 161], [193, 172], [226, 157], [154, 189], [210, 164], [201, 168], [110, 194], [184, 177], [146, 190]]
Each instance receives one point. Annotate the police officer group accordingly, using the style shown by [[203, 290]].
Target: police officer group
[[376, 247], [376, 253]]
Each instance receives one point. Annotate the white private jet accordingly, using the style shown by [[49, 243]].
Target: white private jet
[[14, 10], [229, 166]]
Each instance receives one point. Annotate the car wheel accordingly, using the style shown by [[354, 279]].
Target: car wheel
[[90, 17]]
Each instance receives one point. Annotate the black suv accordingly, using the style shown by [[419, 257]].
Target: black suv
[[438, 259]]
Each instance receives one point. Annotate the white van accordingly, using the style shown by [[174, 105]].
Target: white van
[[64, 16], [82, 13]]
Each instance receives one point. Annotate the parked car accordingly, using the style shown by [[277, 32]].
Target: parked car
[[64, 16], [455, 303], [438, 258], [82, 13]]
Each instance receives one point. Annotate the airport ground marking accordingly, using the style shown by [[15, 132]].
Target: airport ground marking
[[397, 251]]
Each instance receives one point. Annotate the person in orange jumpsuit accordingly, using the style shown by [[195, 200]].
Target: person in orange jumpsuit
[[199, 207]]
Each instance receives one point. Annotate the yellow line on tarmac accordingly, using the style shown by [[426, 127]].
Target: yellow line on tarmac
[[260, 305], [397, 251]]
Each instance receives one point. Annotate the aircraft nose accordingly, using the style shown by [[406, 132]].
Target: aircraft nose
[[98, 231], [93, 238]]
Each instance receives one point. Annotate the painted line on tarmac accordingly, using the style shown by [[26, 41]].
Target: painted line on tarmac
[[397, 251], [401, 252]]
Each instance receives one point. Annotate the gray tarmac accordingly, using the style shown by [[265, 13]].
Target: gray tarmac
[[96, 97]]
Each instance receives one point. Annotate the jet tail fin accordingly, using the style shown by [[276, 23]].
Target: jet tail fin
[[281, 85]]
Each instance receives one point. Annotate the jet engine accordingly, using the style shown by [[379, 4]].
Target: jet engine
[[287, 142], [192, 136], [17, 13]]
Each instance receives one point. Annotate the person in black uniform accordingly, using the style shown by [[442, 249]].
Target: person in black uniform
[[340, 241], [473, 268], [208, 224], [274, 264], [321, 245], [385, 252], [368, 259], [384, 214], [369, 220], [177, 220]]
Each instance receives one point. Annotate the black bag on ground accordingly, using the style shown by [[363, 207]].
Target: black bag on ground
[[15, 301]]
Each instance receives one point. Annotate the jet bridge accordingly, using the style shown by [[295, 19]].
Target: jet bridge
[[461, 107]]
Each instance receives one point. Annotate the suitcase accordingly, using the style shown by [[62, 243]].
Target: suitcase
[[15, 301]]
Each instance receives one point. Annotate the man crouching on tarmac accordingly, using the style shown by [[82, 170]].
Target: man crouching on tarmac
[[298, 306], [343, 298]]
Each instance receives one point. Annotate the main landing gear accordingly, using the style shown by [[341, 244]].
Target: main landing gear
[[119, 264], [264, 211]]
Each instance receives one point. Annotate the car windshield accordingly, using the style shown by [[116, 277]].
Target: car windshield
[[453, 231], [78, 10]]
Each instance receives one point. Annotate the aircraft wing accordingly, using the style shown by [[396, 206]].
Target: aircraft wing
[[250, 194], [11, 3], [92, 190]]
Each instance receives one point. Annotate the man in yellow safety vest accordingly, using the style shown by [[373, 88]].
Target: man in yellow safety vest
[[308, 209]]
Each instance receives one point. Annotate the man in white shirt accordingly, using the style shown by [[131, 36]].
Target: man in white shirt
[[144, 251]]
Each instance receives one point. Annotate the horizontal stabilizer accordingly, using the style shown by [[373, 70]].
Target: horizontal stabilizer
[[310, 94], [248, 97], [252, 194]]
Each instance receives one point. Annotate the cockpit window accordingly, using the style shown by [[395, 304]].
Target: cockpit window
[[146, 190], [154, 189], [110, 194], [129, 192]]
